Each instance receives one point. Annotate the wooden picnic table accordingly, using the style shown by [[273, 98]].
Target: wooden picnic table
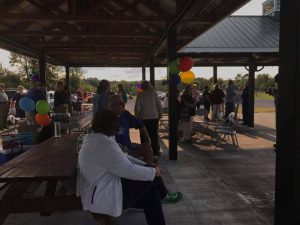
[[51, 161], [79, 122]]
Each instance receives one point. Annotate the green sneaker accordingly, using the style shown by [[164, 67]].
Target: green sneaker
[[172, 197]]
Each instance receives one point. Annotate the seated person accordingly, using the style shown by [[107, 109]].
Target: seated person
[[110, 180], [127, 121]]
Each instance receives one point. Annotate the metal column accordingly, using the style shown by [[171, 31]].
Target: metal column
[[215, 74], [42, 68], [152, 72], [287, 191], [251, 88], [68, 78], [143, 73], [172, 55]]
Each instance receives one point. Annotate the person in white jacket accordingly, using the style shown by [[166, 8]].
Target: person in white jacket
[[148, 109], [110, 180]]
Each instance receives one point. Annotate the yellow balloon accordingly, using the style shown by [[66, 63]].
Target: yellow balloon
[[187, 77]]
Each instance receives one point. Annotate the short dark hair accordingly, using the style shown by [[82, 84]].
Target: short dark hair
[[145, 85], [103, 86], [104, 121]]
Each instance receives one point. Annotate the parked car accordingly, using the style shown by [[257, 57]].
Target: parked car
[[50, 99], [12, 91]]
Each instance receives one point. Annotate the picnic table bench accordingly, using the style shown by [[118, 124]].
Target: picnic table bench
[[52, 161]]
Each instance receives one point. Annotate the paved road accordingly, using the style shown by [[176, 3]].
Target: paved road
[[264, 103]]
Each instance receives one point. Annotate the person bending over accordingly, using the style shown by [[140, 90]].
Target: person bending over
[[127, 121]]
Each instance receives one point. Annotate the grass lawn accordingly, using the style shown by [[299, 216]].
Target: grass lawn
[[260, 109], [263, 96]]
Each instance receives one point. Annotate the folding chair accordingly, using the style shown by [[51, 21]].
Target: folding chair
[[226, 131]]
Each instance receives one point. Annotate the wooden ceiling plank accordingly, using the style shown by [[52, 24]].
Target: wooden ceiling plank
[[8, 5], [156, 9]]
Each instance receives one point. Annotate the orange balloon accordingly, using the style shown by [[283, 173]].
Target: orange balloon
[[43, 120], [187, 77]]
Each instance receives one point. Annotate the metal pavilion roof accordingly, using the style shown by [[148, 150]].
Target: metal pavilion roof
[[233, 39], [105, 33]]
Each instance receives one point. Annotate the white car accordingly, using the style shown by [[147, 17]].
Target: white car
[[50, 99]]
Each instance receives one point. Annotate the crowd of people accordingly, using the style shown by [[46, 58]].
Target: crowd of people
[[220, 102]]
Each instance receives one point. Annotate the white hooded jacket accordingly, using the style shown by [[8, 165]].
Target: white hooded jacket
[[101, 164]]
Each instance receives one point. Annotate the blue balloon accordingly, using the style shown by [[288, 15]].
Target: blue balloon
[[27, 104], [175, 79]]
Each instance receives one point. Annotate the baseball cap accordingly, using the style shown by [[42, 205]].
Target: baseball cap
[[35, 77]]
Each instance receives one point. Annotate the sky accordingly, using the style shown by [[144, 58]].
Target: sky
[[254, 7]]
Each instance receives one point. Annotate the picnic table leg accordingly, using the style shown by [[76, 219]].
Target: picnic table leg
[[50, 191], [15, 190]]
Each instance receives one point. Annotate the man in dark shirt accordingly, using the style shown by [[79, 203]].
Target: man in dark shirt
[[127, 121], [60, 97], [36, 93], [15, 102]]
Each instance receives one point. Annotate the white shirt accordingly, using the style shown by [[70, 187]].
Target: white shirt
[[101, 164], [3, 96]]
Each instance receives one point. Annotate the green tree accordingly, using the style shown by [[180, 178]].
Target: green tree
[[263, 82], [25, 65], [76, 77]]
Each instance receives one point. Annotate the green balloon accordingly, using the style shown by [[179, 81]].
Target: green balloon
[[174, 67], [42, 107]]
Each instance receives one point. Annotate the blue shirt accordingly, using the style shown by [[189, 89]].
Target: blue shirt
[[127, 121], [36, 94]]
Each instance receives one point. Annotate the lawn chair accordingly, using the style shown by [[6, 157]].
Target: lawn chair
[[226, 131]]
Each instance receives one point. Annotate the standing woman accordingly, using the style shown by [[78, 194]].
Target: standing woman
[[217, 99], [148, 109], [4, 107], [187, 107], [122, 93], [60, 98], [100, 100], [207, 100], [229, 101]]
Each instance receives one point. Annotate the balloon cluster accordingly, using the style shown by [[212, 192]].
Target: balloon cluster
[[42, 107], [139, 88], [184, 66]]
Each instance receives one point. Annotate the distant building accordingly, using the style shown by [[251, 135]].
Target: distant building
[[271, 8]]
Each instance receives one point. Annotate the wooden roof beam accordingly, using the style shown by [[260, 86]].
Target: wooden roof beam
[[83, 44], [8, 5], [89, 18], [82, 34]]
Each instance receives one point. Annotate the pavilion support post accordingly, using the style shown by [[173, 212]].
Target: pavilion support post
[[42, 68], [251, 88], [215, 74], [172, 55], [143, 73], [287, 182], [152, 72], [68, 78]]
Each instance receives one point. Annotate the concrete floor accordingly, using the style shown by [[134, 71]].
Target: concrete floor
[[221, 187]]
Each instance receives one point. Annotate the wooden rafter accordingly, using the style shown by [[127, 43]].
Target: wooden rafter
[[87, 18], [8, 5], [156, 9], [74, 33]]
